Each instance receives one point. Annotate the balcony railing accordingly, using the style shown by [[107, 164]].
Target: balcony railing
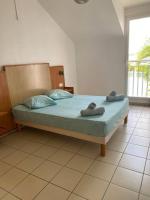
[[139, 78]]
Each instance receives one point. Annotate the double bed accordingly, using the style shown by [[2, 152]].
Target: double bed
[[64, 117]]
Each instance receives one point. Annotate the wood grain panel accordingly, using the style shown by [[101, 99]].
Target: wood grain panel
[[6, 118], [27, 80], [5, 104], [7, 121], [57, 76]]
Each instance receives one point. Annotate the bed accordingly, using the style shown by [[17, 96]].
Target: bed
[[63, 118]]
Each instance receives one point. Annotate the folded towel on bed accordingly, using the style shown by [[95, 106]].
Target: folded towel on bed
[[115, 98], [113, 93], [92, 112], [91, 106]]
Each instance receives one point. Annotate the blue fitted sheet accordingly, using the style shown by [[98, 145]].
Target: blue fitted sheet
[[66, 115]]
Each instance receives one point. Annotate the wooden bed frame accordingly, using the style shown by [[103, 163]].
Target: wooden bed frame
[[34, 79]]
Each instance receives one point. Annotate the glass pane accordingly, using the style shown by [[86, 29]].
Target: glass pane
[[139, 58]]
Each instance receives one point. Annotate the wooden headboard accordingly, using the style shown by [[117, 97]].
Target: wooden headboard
[[27, 80]]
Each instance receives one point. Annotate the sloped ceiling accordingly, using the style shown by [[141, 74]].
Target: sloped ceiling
[[80, 22], [129, 3]]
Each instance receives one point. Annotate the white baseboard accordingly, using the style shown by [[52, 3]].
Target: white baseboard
[[139, 101]]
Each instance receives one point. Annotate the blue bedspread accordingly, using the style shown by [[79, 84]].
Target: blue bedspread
[[66, 115]]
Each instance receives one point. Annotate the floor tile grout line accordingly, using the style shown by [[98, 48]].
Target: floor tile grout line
[[82, 177], [143, 174], [50, 182], [125, 148], [139, 193], [117, 168], [7, 192], [85, 173], [68, 161], [32, 141], [29, 154], [82, 155], [32, 154], [7, 170], [44, 160], [144, 165], [28, 174], [12, 195], [10, 192], [55, 147], [133, 134], [17, 149], [71, 169], [37, 167]]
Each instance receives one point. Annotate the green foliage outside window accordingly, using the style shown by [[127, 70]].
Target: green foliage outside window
[[142, 65]]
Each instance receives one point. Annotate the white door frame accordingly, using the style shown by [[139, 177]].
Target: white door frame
[[131, 14]]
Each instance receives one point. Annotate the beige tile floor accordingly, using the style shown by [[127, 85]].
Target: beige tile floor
[[43, 166]]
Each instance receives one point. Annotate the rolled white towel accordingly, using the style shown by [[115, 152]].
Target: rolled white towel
[[92, 112], [115, 98], [113, 93], [91, 106]]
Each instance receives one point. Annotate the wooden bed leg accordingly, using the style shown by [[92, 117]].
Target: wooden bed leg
[[18, 127], [103, 150], [126, 120]]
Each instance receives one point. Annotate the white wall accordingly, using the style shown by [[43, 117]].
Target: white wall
[[96, 31], [34, 38], [120, 13], [100, 66]]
